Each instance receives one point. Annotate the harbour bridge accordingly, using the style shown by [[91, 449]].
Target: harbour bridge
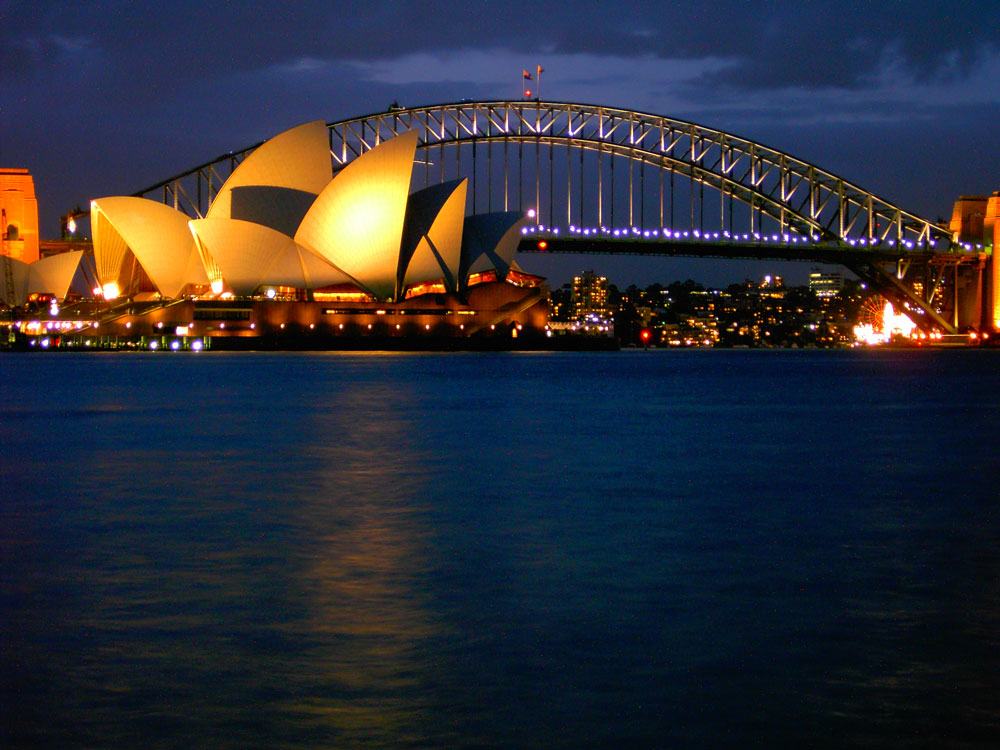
[[613, 181]]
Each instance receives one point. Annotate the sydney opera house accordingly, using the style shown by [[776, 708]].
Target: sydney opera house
[[292, 253]]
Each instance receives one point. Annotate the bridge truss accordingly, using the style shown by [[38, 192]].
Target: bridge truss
[[600, 176]]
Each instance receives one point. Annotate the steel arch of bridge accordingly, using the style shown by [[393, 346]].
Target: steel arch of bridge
[[792, 195]]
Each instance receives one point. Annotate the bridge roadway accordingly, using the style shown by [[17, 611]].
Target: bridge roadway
[[887, 267], [710, 246]]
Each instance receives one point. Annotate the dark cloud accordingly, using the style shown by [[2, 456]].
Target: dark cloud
[[787, 43], [106, 96]]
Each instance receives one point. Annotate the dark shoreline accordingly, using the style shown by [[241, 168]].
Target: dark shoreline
[[336, 344]]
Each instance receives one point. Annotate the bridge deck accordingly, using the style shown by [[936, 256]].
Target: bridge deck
[[814, 252]]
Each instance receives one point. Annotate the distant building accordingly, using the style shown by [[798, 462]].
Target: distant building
[[826, 284], [18, 215], [590, 296]]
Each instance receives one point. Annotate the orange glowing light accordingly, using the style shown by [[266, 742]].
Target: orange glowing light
[[884, 323]]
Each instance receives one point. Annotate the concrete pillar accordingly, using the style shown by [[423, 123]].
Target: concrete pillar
[[992, 208], [969, 297], [991, 238], [991, 298], [967, 217]]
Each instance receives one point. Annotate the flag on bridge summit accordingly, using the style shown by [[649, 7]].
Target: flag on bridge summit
[[540, 70], [526, 74]]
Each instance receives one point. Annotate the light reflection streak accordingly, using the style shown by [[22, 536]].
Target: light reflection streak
[[366, 608]]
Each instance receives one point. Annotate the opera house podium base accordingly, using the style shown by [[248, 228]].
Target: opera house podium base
[[490, 316]]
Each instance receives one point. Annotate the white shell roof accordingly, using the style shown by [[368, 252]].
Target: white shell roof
[[281, 220], [156, 234], [110, 247], [357, 221], [52, 275], [297, 159], [250, 255]]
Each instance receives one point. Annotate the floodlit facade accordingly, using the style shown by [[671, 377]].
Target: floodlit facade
[[974, 220], [18, 215], [284, 220]]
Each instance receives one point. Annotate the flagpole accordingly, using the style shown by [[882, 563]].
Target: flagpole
[[538, 82]]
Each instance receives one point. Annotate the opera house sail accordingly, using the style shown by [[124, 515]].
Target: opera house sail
[[283, 218]]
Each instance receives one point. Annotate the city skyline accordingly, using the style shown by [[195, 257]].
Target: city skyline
[[900, 104]]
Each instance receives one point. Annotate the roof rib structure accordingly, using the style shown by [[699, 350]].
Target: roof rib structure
[[157, 235], [432, 236], [489, 241]]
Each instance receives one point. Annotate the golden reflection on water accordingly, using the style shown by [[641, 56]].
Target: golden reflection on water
[[290, 605], [361, 577]]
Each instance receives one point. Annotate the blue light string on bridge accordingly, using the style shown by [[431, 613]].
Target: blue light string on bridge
[[696, 235]]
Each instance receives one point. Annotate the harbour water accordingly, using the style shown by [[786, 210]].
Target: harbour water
[[632, 549]]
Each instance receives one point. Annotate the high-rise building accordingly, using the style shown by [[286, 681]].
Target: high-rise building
[[826, 284], [18, 215], [590, 296]]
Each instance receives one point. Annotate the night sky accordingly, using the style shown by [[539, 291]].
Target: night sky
[[902, 98]]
